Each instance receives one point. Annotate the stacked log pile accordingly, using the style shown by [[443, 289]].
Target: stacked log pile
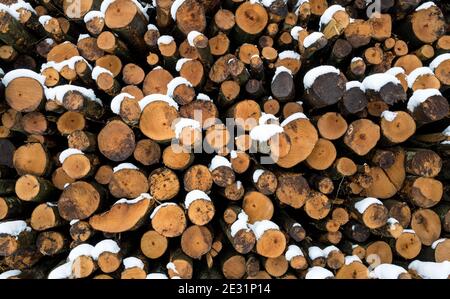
[[224, 139]]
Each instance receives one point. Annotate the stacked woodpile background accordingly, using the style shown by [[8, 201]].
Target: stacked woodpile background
[[108, 171]]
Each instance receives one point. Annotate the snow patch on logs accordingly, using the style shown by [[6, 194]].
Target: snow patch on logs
[[180, 63], [318, 273], [165, 40], [327, 250], [80, 250], [420, 96], [437, 242], [376, 81], [70, 63], [14, 228], [446, 132], [260, 227], [45, 19], [203, 97], [431, 270], [389, 115], [351, 259], [409, 231], [152, 27], [182, 123], [67, 153], [83, 36], [295, 31], [362, 205], [292, 117], [13, 8], [57, 93], [193, 196], [10, 273], [425, 5], [117, 101], [264, 132], [240, 224], [279, 70], [354, 84], [394, 71], [256, 174], [92, 15], [174, 83], [174, 8], [132, 262], [171, 266], [124, 166], [160, 206], [293, 251], [107, 245], [387, 271], [219, 161], [22, 73], [192, 36], [315, 252], [328, 14], [133, 201], [265, 117], [355, 59], [61, 272], [72, 222], [312, 38], [289, 54], [313, 74], [156, 276], [392, 222], [157, 97], [438, 60], [100, 70], [418, 72]]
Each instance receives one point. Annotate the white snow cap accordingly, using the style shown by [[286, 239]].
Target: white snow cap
[[67, 153], [392, 221], [293, 251], [425, 5], [125, 166], [446, 132], [327, 250], [292, 117], [45, 19], [377, 81], [280, 70], [107, 245], [92, 15], [354, 59], [239, 224], [171, 266], [156, 276], [131, 262], [445, 142], [13, 8], [313, 74], [180, 63], [312, 38], [57, 93], [260, 227], [352, 258], [142, 196], [174, 8], [409, 231], [437, 242], [329, 13], [10, 273], [14, 228], [161, 206], [174, 83], [19, 73], [165, 40], [430, 270], [61, 272], [193, 196], [70, 63], [395, 71], [152, 27], [353, 84], [264, 132], [420, 96], [203, 97], [192, 36], [389, 115], [219, 161], [256, 174], [362, 205], [182, 123], [438, 60], [83, 36], [265, 117], [117, 101], [157, 97], [318, 273], [295, 31], [80, 250], [418, 72], [72, 222], [387, 271], [315, 252], [289, 54], [99, 70]]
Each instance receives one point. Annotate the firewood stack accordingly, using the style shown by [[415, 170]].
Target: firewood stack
[[224, 139]]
